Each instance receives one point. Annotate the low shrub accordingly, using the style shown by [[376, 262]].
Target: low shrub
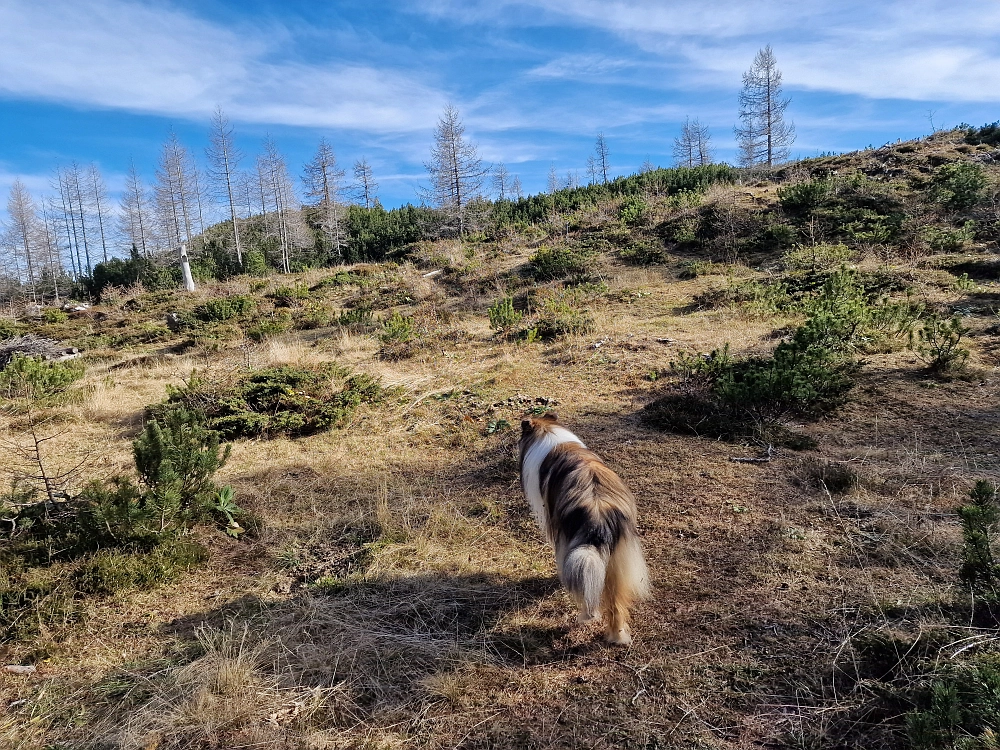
[[267, 327], [980, 520], [959, 185], [54, 315], [356, 317], [8, 328], [35, 379], [503, 317], [988, 134], [561, 315], [292, 401], [290, 296], [562, 262], [817, 257], [633, 210], [938, 343], [947, 240], [959, 710], [397, 328], [225, 308]]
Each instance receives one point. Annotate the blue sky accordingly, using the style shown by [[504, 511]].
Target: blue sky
[[535, 80]]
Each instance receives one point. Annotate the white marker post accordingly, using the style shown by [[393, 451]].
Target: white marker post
[[186, 269]]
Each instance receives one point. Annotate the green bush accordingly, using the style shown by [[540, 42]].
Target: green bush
[[959, 185], [292, 401], [503, 317], [54, 315], [8, 328], [290, 296], [265, 327], [225, 308], [817, 257], [980, 518], [356, 317], [938, 343], [802, 198], [633, 210], [959, 711], [988, 134], [946, 240], [176, 455], [37, 379], [398, 329], [562, 262], [560, 315], [122, 272]]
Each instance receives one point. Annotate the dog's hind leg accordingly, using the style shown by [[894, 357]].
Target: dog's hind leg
[[615, 605]]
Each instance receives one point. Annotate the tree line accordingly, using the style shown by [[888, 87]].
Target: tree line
[[238, 215]]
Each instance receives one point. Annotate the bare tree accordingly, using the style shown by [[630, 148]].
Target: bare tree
[[276, 191], [72, 238], [365, 186], [77, 214], [50, 241], [175, 193], [98, 199], [515, 188], [592, 170], [455, 169], [572, 179], [552, 184], [22, 232], [763, 135], [601, 157], [501, 181], [134, 216], [322, 180], [224, 160], [647, 166], [693, 147]]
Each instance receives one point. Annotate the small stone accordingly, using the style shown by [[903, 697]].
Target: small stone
[[20, 668]]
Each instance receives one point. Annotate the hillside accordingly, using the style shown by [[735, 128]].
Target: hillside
[[795, 373]]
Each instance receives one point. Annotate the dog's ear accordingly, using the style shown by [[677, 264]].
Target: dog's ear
[[526, 427], [551, 417]]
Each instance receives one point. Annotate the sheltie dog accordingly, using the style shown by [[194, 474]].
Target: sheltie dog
[[589, 515]]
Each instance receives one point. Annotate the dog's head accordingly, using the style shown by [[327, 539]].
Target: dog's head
[[535, 425]]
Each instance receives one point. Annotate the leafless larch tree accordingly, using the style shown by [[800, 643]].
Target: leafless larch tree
[[223, 171], [323, 182], [693, 147], [365, 187], [763, 135], [455, 169]]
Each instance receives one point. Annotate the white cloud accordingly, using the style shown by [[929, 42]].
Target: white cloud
[[920, 50], [154, 59]]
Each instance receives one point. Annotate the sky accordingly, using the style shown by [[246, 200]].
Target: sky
[[535, 81]]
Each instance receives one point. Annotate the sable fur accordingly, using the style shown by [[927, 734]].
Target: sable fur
[[589, 515]]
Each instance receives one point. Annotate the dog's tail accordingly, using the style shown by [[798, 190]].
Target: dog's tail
[[627, 571], [583, 573]]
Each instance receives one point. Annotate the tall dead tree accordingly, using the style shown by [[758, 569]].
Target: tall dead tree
[[455, 169], [552, 182], [515, 188], [49, 237], [278, 195], [22, 232], [763, 135], [98, 199], [365, 186], [601, 154], [322, 179], [501, 181], [693, 147], [174, 193], [592, 170], [134, 215], [62, 185], [223, 170]]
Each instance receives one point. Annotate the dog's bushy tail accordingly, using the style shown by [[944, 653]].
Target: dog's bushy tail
[[627, 570], [583, 573]]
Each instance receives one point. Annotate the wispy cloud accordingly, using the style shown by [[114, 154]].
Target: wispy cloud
[[160, 60], [905, 49]]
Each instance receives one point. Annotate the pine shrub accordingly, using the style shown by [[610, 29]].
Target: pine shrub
[[503, 317]]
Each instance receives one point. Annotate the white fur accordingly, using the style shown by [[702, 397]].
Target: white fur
[[531, 468]]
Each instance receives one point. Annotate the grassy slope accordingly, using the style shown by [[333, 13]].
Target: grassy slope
[[400, 595]]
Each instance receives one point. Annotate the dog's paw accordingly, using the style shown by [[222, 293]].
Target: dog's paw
[[619, 638]]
